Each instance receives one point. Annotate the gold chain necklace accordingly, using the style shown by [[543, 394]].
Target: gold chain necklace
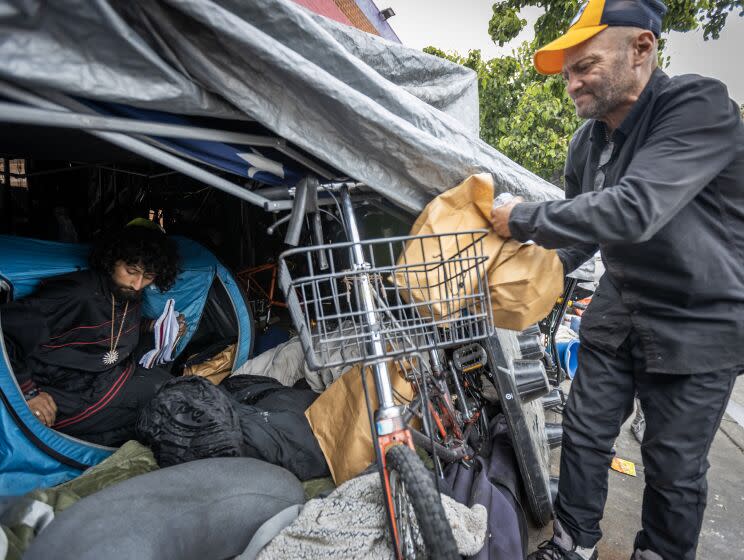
[[112, 356]]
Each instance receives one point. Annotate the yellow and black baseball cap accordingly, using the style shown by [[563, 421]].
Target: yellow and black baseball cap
[[595, 16]]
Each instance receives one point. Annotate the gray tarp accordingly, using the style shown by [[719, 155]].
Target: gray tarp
[[401, 121]]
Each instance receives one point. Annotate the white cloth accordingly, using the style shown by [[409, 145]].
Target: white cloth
[[286, 364], [564, 334], [351, 523], [166, 337]]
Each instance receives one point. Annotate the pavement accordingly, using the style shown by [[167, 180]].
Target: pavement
[[722, 535]]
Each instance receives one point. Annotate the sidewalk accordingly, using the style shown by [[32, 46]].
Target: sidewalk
[[722, 536]]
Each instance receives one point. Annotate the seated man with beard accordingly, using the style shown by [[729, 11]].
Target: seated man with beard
[[72, 343]]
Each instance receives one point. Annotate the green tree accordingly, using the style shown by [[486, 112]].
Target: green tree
[[529, 117], [683, 15]]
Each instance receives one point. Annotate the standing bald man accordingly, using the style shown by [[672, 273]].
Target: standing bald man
[[655, 181]]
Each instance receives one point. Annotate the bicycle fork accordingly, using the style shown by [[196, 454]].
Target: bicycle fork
[[388, 424]]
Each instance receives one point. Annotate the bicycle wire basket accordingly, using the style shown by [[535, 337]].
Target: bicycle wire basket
[[428, 291]]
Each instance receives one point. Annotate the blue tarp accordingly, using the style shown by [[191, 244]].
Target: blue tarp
[[261, 164], [32, 455]]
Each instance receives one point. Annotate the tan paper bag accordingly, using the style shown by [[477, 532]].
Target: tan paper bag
[[215, 368], [339, 420], [524, 280]]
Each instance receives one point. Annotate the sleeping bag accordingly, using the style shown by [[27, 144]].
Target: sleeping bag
[[247, 416]]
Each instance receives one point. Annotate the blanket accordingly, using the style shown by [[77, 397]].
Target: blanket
[[351, 523]]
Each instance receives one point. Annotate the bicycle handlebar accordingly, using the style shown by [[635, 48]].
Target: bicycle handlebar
[[305, 188]]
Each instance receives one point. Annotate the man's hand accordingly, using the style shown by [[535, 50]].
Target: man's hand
[[500, 217], [44, 408]]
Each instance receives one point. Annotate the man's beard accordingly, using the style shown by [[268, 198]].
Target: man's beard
[[127, 294], [606, 97]]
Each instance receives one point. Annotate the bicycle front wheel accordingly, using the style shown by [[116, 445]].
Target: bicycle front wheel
[[418, 515]]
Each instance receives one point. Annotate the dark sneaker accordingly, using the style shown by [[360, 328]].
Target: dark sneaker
[[549, 550], [562, 547]]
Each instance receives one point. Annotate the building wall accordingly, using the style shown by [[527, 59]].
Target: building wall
[[356, 15], [362, 14], [372, 12], [327, 8]]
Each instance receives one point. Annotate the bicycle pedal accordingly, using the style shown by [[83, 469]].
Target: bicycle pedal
[[469, 358]]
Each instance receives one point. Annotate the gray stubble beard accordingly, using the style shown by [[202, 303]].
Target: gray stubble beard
[[611, 93]]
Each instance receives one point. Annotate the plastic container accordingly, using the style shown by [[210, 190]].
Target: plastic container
[[502, 199], [568, 354]]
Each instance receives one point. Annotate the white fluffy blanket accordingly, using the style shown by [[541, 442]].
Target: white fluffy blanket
[[351, 523]]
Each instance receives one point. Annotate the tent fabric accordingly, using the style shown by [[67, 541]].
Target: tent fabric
[[401, 121], [32, 455], [241, 160], [25, 262]]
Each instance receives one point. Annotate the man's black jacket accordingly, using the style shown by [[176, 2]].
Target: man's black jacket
[[668, 219], [56, 337]]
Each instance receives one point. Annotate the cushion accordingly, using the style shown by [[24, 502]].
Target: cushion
[[208, 508]]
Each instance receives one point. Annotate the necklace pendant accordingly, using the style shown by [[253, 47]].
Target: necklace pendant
[[111, 357]]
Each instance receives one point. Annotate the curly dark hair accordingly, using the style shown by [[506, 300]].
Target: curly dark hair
[[137, 245]]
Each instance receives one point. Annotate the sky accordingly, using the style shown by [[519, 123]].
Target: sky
[[462, 25]]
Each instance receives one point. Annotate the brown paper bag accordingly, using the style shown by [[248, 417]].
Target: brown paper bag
[[524, 280], [215, 368], [339, 420], [445, 287]]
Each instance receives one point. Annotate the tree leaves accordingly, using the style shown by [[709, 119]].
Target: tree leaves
[[526, 116], [682, 15], [505, 24]]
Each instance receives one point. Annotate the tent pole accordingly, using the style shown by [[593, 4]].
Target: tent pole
[[164, 158], [281, 146], [65, 118], [12, 113]]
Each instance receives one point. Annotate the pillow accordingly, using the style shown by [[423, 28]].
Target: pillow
[[202, 509]]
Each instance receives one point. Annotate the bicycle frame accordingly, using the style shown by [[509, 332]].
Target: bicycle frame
[[253, 286], [416, 295], [389, 427], [553, 322]]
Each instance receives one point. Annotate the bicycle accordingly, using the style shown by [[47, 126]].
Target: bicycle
[[261, 298], [355, 303]]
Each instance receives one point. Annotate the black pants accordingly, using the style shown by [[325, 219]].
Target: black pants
[[114, 423], [683, 413]]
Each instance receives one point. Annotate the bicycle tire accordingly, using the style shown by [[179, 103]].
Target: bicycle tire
[[412, 488]]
